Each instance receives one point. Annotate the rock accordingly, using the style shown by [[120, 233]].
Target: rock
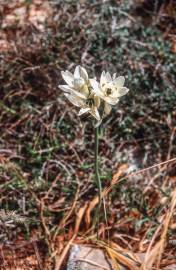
[[88, 258]]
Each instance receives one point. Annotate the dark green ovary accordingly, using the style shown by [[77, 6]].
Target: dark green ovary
[[90, 102], [108, 91]]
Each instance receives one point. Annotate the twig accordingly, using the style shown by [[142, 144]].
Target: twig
[[59, 262], [166, 226], [37, 255], [51, 187], [92, 263], [64, 220], [2, 255], [116, 179], [47, 232]]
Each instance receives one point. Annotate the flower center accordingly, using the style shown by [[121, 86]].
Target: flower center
[[108, 91], [90, 89], [90, 102]]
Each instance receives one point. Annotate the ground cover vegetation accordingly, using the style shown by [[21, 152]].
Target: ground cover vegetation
[[46, 169]]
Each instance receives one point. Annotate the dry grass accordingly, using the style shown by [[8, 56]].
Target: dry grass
[[46, 171]]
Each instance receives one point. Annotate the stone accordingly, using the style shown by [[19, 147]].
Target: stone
[[88, 258]]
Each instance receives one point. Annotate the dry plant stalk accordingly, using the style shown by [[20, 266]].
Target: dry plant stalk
[[154, 255], [104, 193], [59, 261], [165, 229], [122, 256]]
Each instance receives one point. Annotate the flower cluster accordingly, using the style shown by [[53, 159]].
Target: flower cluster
[[90, 95]]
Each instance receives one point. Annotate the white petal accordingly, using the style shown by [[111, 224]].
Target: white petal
[[83, 73], [68, 77], [119, 81], [108, 76], [111, 100], [78, 83], [84, 110], [122, 91], [107, 108], [77, 72], [114, 76], [96, 87], [70, 90], [78, 102], [65, 88], [103, 78]]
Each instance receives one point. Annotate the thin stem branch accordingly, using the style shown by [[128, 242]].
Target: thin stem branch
[[97, 175]]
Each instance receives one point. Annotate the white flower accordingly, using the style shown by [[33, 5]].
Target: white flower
[[79, 92], [110, 89]]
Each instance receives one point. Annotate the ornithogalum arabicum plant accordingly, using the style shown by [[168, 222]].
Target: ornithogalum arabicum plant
[[93, 97]]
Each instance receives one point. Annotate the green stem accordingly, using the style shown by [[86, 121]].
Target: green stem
[[97, 175]]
